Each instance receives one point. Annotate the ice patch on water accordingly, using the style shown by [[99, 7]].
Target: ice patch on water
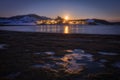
[[73, 63], [75, 68], [50, 53], [44, 53], [107, 53], [70, 51], [67, 63], [78, 51], [76, 56], [37, 53], [77, 62]]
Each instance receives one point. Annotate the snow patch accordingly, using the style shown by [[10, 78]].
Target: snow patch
[[73, 63], [90, 20], [20, 23], [69, 51], [37, 53], [107, 53], [50, 53], [78, 51]]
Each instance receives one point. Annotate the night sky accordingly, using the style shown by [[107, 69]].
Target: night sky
[[102, 9]]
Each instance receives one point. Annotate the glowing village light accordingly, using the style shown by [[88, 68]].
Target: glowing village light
[[66, 17]]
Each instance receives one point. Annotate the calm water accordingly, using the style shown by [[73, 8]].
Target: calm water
[[67, 29]]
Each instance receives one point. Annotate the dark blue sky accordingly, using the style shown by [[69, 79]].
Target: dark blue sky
[[102, 9]]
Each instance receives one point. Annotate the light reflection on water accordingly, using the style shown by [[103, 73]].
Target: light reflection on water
[[77, 29], [74, 62], [67, 29]]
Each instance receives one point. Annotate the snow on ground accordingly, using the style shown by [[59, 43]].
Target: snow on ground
[[45, 53], [107, 53], [76, 56], [50, 53], [78, 51], [90, 20], [75, 51], [20, 23], [71, 65], [70, 51]]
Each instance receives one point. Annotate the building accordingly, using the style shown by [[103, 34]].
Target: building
[[61, 21]]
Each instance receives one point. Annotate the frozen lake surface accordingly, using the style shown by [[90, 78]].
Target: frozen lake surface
[[68, 29]]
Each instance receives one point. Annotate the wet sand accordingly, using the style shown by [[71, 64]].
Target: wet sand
[[43, 41], [18, 51]]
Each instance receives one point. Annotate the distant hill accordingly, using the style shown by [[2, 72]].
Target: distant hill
[[100, 22], [29, 19]]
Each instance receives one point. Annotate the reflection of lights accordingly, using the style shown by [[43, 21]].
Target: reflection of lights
[[65, 59], [66, 29]]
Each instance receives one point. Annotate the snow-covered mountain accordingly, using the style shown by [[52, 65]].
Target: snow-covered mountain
[[100, 22], [97, 22], [29, 19]]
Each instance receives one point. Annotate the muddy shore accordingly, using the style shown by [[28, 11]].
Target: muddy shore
[[17, 53], [43, 41]]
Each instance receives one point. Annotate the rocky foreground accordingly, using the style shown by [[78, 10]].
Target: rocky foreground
[[44, 56]]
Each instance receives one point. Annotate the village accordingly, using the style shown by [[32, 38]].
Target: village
[[60, 20]]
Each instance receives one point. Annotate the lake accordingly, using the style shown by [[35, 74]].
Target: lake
[[67, 29]]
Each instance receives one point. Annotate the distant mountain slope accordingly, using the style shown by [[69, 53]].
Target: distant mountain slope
[[29, 19], [100, 21]]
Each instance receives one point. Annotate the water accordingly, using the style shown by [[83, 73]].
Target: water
[[68, 29], [74, 62]]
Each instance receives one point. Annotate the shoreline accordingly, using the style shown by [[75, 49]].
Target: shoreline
[[85, 41], [51, 33]]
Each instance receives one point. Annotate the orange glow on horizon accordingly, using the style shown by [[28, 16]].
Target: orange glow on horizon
[[66, 17]]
